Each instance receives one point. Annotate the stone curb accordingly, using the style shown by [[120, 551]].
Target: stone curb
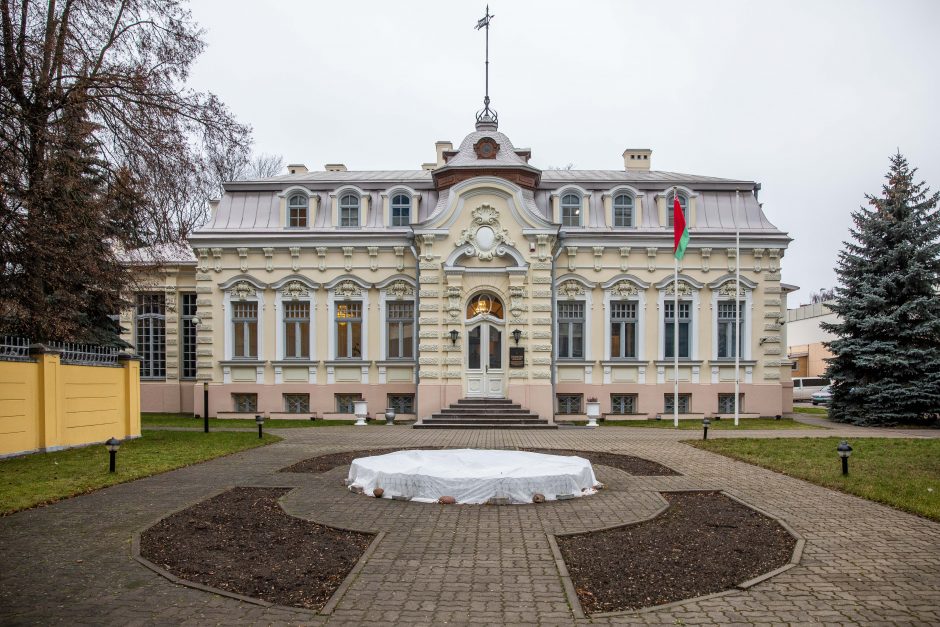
[[575, 602], [327, 609]]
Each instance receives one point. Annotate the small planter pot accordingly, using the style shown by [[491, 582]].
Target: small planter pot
[[361, 409], [389, 416], [593, 413]]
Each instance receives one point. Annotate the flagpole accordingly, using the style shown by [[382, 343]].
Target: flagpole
[[675, 330], [737, 309]]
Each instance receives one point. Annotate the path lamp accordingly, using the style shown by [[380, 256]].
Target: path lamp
[[453, 337], [844, 451], [259, 420], [516, 334], [112, 445], [389, 416], [705, 423], [205, 407], [362, 410]]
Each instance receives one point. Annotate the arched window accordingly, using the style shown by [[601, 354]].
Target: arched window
[[623, 210], [401, 210], [571, 210], [349, 210], [297, 211], [484, 304], [670, 210]]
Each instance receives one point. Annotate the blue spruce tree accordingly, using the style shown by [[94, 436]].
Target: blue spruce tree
[[885, 367]]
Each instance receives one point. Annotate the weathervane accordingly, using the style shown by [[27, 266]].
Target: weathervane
[[487, 115]]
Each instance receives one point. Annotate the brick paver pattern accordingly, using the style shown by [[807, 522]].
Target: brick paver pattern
[[863, 563]]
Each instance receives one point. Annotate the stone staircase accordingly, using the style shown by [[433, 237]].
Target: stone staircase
[[484, 413]]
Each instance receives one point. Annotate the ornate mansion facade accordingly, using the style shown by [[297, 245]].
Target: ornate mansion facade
[[477, 276]]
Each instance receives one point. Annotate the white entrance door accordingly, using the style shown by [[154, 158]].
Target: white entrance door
[[485, 372]]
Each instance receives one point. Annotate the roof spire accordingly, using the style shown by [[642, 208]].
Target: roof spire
[[487, 118]]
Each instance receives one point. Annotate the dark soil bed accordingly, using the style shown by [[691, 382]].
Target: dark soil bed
[[631, 465], [704, 543], [243, 542]]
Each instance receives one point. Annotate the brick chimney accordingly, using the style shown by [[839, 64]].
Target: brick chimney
[[637, 159]]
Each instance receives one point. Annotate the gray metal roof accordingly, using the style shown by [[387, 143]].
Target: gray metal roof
[[628, 176], [506, 156]]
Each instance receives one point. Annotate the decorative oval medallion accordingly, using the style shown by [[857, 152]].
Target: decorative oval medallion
[[485, 237]]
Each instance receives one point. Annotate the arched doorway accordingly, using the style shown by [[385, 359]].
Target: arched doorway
[[484, 347]]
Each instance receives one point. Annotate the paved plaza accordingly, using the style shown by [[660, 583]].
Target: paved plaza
[[863, 563]]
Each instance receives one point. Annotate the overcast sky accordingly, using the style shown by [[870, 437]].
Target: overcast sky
[[808, 98]]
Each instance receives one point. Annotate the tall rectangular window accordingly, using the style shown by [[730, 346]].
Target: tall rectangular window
[[728, 339], [623, 210], [348, 330], [623, 330], [571, 330], [571, 210], [151, 335], [187, 336], [685, 326], [296, 330], [245, 330], [401, 329]]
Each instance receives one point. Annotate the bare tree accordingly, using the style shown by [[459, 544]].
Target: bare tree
[[95, 90]]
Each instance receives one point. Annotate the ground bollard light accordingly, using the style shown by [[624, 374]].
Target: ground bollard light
[[705, 423], [844, 451], [205, 407], [112, 445], [259, 420]]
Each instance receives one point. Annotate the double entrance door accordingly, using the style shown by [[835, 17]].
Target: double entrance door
[[485, 372]]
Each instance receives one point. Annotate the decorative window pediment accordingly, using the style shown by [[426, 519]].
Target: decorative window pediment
[[295, 290], [243, 290], [347, 289], [570, 289], [400, 289]]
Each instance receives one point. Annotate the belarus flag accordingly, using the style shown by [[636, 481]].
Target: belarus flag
[[680, 230]]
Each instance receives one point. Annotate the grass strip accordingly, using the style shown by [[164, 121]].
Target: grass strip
[[900, 472], [185, 420], [43, 478], [816, 411], [725, 424]]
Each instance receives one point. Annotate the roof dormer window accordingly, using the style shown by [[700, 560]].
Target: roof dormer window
[[349, 210], [401, 210], [624, 214], [297, 211], [571, 210]]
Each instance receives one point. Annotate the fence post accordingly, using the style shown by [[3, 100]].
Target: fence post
[[47, 396], [130, 365]]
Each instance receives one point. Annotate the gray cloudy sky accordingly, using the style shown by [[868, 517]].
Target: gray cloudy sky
[[810, 98]]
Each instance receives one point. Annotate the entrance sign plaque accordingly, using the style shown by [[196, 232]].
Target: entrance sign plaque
[[517, 357]]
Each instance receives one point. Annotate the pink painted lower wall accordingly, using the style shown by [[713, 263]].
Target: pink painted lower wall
[[322, 399], [170, 397], [765, 400]]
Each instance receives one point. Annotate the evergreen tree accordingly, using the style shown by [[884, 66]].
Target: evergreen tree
[[885, 367]]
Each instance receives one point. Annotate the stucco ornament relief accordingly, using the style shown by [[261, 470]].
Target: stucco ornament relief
[[516, 296], [484, 238], [243, 290], [623, 289], [295, 290], [453, 302], [399, 290], [347, 289], [729, 290], [684, 289], [570, 289]]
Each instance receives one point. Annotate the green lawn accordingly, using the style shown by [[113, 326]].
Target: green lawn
[[42, 478], [903, 473], [184, 420], [809, 409], [724, 424]]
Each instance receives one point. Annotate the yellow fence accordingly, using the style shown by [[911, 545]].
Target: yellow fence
[[46, 405]]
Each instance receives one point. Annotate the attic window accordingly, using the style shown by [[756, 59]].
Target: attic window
[[486, 148]]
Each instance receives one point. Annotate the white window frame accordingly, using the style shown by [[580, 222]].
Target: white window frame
[[384, 298], [640, 299], [588, 298], [579, 207], [280, 334], [151, 357], [227, 301], [305, 206], [613, 210], [332, 299], [747, 287], [663, 286]]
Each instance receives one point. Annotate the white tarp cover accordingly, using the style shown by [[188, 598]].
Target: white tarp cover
[[472, 475]]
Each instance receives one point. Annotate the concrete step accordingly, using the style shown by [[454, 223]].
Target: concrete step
[[484, 401], [457, 411], [484, 425]]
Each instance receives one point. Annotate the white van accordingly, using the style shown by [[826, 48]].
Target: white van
[[805, 387]]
